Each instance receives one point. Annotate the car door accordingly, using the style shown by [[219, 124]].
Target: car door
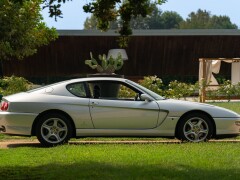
[[113, 107]]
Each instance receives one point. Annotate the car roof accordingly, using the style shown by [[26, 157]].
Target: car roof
[[71, 81], [96, 79]]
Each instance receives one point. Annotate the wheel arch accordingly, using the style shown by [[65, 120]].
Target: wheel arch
[[33, 132], [196, 111]]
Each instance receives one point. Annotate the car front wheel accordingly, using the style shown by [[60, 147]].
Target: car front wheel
[[195, 127], [53, 129]]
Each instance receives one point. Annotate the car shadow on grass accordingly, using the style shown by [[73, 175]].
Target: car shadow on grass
[[38, 145], [23, 144]]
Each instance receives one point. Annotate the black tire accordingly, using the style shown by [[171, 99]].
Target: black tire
[[195, 127], [53, 129]]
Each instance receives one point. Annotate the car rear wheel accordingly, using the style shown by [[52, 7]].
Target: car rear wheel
[[195, 127], [53, 129]]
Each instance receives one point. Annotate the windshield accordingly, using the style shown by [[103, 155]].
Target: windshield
[[147, 91]]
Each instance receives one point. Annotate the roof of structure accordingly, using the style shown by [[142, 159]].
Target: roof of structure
[[171, 32]]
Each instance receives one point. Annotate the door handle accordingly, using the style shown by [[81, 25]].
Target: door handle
[[95, 103]]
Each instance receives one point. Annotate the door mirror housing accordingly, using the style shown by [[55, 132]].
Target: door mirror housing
[[146, 97]]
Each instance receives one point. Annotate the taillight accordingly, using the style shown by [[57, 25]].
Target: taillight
[[4, 106]]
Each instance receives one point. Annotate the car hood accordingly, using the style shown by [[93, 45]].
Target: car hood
[[179, 107]]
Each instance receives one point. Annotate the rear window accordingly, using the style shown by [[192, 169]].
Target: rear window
[[77, 89]]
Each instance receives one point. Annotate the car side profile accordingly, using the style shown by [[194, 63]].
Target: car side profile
[[107, 106]]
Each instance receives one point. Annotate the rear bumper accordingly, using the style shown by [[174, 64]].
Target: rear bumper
[[16, 123], [227, 126]]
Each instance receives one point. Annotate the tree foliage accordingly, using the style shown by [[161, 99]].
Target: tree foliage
[[91, 23], [163, 20], [107, 11], [156, 20], [139, 14], [203, 19], [21, 29], [170, 20], [54, 7]]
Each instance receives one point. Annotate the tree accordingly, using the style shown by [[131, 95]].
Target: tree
[[151, 21], [105, 11], [222, 22], [203, 19], [54, 7], [156, 20], [21, 29], [91, 23], [170, 20]]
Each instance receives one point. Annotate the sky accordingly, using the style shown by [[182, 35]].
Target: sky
[[74, 17]]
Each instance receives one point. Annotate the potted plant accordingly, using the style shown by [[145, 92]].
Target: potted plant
[[106, 68]]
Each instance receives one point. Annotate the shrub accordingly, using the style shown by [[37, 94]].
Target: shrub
[[125, 92], [153, 83], [180, 90], [212, 94], [228, 89], [13, 84]]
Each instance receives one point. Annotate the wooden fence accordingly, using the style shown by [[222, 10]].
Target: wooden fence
[[161, 55]]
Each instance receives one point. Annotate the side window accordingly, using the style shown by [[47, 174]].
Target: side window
[[112, 91], [126, 93], [77, 89]]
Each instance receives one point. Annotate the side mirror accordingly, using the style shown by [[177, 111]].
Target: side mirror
[[145, 97]]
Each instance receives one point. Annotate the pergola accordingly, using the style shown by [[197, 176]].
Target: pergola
[[204, 75]]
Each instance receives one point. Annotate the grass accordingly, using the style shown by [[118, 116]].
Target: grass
[[234, 106], [149, 161]]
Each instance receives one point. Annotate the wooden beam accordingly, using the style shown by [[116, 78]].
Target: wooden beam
[[222, 59], [204, 81]]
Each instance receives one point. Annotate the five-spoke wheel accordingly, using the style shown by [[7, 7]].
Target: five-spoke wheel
[[53, 129], [195, 127]]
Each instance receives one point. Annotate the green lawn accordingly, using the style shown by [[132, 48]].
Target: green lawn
[[149, 161], [234, 106]]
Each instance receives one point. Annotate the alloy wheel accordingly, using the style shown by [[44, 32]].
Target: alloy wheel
[[196, 129], [54, 130]]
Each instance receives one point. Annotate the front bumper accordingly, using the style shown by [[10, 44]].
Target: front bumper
[[16, 123], [228, 126]]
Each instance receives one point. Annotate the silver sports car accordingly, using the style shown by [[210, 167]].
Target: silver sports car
[[103, 106]]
